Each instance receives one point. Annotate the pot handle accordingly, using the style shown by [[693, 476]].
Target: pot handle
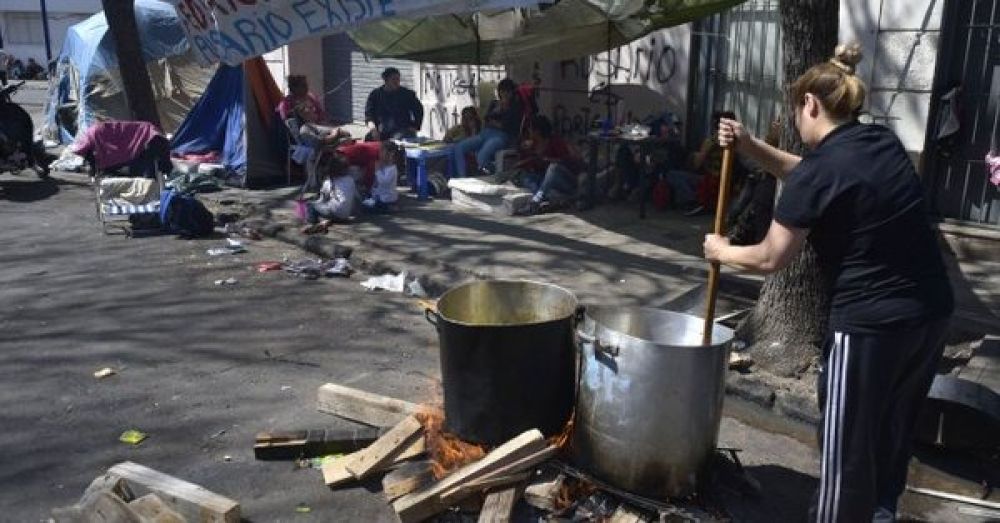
[[598, 346], [432, 317]]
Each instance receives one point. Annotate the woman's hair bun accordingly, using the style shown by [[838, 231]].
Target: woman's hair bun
[[847, 56]]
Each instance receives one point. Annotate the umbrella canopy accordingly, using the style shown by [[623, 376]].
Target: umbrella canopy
[[568, 29]]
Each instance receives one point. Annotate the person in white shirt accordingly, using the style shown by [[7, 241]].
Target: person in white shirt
[[335, 203], [384, 191]]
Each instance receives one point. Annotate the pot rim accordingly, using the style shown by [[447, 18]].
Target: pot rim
[[572, 313], [601, 328]]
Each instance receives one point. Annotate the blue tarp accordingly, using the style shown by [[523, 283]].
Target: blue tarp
[[90, 50], [216, 122]]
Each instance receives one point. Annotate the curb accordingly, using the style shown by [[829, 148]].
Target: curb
[[753, 387]]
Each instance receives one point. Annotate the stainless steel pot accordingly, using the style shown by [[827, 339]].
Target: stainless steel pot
[[650, 398]]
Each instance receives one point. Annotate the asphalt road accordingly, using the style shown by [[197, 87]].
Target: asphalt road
[[202, 368]]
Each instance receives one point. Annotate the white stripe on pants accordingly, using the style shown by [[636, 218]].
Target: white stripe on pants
[[833, 425]]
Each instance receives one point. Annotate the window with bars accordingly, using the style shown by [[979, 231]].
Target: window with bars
[[23, 28]]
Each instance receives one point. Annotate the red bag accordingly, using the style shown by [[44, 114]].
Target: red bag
[[707, 191], [661, 194]]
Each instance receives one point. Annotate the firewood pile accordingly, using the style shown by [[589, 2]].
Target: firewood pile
[[427, 473]]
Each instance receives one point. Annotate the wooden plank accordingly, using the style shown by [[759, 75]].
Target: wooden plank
[[499, 505], [527, 461], [379, 454], [364, 407], [151, 509], [193, 502], [422, 504], [494, 483], [407, 478], [541, 493], [335, 471], [627, 514], [312, 443]]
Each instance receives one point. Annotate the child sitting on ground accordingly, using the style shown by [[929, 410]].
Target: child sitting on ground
[[384, 192], [335, 203]]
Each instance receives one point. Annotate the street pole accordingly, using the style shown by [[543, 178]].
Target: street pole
[[120, 15], [45, 29]]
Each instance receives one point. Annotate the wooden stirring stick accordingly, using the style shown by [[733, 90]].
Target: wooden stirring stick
[[720, 228]]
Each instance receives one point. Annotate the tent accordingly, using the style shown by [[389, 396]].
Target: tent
[[87, 72], [564, 30], [236, 119]]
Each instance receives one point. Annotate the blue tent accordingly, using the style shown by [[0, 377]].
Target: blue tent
[[235, 118], [87, 70]]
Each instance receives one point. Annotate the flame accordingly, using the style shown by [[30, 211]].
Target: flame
[[447, 451], [562, 439]]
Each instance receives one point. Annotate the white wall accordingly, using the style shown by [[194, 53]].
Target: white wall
[[61, 15], [900, 41]]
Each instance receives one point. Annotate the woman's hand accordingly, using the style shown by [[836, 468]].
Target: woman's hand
[[732, 133], [714, 245]]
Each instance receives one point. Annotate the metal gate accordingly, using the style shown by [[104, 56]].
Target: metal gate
[[968, 67], [740, 49]]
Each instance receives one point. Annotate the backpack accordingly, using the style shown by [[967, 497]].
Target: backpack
[[185, 215]]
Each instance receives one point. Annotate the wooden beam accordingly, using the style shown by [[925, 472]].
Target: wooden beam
[[420, 505], [193, 502], [363, 407], [379, 454], [499, 505], [484, 485], [312, 443], [335, 471], [521, 464], [407, 478], [152, 509]]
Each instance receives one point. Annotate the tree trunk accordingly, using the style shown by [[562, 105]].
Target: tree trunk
[[120, 15], [788, 322]]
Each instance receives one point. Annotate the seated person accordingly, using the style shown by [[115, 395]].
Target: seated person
[[312, 133], [384, 192], [392, 111], [33, 70], [335, 202], [502, 129], [298, 95], [468, 126], [551, 164], [140, 146], [696, 185]]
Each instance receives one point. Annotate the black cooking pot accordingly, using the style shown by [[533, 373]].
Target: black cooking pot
[[507, 358]]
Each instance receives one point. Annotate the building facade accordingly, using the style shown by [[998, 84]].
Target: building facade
[[23, 32]]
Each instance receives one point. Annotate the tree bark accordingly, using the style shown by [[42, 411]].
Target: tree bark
[[120, 15], [786, 326]]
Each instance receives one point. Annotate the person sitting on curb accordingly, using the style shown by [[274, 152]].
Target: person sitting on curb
[[501, 130], [551, 165], [335, 202]]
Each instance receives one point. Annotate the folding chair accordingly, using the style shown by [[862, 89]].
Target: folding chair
[[129, 204]]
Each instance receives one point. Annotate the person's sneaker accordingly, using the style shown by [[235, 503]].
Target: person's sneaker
[[695, 211]]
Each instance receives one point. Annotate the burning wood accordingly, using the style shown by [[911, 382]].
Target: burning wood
[[447, 451]]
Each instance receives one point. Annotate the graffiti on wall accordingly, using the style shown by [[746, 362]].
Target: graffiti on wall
[[446, 89], [641, 75]]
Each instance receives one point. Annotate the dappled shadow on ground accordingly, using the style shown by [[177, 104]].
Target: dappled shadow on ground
[[785, 496], [27, 188], [200, 367]]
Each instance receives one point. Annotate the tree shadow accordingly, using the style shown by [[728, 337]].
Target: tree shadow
[[27, 190]]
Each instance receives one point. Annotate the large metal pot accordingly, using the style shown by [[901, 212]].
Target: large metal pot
[[507, 358], [650, 399]]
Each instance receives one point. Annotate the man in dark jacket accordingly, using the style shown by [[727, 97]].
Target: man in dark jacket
[[392, 111]]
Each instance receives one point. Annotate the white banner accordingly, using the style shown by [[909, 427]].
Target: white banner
[[232, 31]]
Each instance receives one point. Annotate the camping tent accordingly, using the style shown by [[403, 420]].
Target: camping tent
[[87, 71], [235, 118]]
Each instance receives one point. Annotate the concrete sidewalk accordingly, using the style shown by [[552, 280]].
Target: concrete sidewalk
[[606, 255]]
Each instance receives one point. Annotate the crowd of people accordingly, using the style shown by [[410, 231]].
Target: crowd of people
[[13, 68]]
